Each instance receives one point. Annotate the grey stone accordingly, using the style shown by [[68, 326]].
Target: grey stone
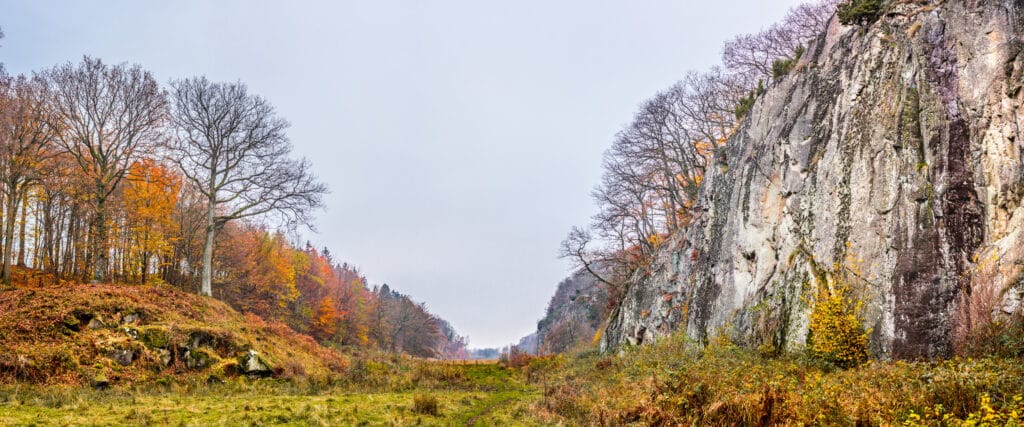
[[250, 363], [895, 154]]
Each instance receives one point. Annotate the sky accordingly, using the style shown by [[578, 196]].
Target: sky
[[460, 139]]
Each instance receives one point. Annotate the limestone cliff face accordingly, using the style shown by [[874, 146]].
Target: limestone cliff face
[[893, 152]]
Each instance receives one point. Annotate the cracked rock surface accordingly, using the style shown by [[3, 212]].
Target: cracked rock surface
[[891, 152]]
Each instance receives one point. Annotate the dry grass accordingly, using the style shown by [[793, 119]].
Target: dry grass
[[67, 333], [670, 383]]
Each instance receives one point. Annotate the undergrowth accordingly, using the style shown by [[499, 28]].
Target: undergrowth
[[673, 383]]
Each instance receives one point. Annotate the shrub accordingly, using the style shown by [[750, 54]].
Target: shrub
[[747, 102], [859, 12], [783, 66], [515, 358], [836, 334], [425, 404], [979, 327]]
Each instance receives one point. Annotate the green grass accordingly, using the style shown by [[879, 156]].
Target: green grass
[[478, 394]]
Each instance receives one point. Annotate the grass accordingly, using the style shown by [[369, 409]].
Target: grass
[[671, 383], [465, 395]]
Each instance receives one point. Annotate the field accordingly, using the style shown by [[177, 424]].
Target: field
[[472, 394]]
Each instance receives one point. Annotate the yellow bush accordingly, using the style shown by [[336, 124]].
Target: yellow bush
[[836, 333]]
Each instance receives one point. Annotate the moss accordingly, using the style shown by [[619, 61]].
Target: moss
[[200, 358], [154, 337]]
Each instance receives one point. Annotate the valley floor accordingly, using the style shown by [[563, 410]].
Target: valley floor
[[482, 395]]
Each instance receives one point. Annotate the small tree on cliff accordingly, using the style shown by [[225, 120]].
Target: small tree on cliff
[[232, 147]]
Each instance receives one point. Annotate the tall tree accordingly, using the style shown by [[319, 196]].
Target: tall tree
[[232, 146], [25, 145], [109, 115], [149, 200]]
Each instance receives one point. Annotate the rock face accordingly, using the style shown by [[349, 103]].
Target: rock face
[[575, 312], [891, 155]]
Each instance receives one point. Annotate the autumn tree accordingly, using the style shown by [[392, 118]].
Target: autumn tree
[[150, 196], [109, 116], [25, 147], [258, 273], [232, 147], [326, 320]]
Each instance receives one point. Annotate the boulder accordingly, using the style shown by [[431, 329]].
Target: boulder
[[165, 356], [250, 363], [124, 356], [198, 358], [95, 323]]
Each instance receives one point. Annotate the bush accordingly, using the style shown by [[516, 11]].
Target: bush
[[425, 404], [747, 102], [836, 334], [859, 12], [515, 358], [783, 66]]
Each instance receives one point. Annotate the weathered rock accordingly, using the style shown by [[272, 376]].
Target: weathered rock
[[96, 323], [892, 152], [165, 355], [198, 358], [124, 356], [250, 363]]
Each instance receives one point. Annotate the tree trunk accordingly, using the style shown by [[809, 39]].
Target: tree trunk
[[99, 253], [207, 287], [11, 208], [21, 232]]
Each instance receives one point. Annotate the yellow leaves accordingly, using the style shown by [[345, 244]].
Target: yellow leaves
[[655, 240], [836, 333], [150, 195]]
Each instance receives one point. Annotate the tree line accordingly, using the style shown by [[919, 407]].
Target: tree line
[[656, 164], [108, 176]]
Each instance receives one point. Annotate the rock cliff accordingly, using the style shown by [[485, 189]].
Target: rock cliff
[[892, 154]]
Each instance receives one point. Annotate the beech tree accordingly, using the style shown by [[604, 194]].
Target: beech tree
[[25, 146], [108, 116], [232, 147]]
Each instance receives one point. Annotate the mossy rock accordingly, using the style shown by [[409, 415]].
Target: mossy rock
[[100, 381], [155, 337], [199, 358], [250, 363]]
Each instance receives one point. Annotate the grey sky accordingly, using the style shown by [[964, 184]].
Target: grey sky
[[460, 139]]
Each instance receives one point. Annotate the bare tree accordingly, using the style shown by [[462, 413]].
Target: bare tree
[[752, 55], [3, 71], [232, 146], [108, 116], [25, 147]]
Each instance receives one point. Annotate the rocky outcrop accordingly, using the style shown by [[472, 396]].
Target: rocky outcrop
[[892, 155], [575, 313]]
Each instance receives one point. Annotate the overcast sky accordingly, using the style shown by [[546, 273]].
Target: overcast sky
[[460, 139]]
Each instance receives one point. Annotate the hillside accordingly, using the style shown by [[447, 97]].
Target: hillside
[[104, 335], [575, 313], [886, 162]]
